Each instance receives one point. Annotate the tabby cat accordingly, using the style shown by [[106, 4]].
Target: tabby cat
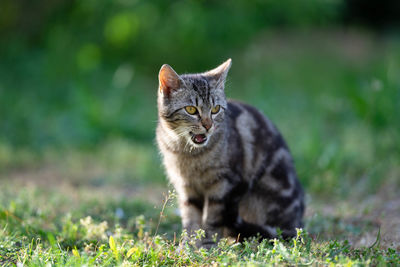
[[230, 166]]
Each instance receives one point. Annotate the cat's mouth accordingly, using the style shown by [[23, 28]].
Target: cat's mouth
[[199, 138]]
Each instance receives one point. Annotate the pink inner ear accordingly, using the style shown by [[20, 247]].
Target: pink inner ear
[[169, 80]]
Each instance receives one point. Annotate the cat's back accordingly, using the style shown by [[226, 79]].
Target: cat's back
[[247, 116], [255, 136]]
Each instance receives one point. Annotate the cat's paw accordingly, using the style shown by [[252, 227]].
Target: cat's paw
[[207, 244]]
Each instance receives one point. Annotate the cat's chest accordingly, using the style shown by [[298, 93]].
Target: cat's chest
[[196, 172]]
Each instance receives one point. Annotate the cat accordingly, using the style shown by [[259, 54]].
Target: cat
[[231, 168]]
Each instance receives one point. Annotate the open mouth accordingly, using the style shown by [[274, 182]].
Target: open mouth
[[199, 138]]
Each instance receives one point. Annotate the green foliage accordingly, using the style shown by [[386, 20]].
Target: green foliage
[[146, 32], [80, 73]]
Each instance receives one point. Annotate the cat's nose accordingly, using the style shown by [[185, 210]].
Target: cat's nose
[[207, 123]]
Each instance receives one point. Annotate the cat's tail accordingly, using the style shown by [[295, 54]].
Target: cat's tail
[[243, 229]]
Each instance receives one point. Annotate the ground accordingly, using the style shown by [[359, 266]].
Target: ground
[[41, 202]]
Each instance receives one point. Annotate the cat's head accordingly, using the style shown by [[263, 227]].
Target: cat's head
[[193, 106]]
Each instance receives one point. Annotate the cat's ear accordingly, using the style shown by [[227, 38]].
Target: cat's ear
[[169, 80], [218, 75]]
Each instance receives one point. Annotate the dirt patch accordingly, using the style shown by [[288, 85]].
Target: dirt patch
[[372, 221], [53, 179]]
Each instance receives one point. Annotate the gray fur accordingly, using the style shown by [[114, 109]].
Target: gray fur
[[241, 181]]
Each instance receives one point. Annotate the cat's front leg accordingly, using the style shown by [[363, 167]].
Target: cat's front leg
[[213, 220], [221, 209], [191, 213]]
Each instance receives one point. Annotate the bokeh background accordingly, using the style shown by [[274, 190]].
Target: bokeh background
[[78, 84]]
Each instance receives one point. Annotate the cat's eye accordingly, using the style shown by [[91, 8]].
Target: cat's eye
[[191, 110], [215, 109]]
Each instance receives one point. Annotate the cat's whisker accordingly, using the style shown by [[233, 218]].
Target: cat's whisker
[[187, 143]]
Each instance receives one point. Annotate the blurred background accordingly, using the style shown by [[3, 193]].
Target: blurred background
[[78, 84]]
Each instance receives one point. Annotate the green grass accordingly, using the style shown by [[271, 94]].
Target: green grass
[[40, 228], [64, 212], [81, 166]]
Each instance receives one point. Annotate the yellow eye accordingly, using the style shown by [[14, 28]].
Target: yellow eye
[[215, 109], [191, 110]]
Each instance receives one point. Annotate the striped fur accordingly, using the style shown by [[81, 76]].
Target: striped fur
[[241, 181]]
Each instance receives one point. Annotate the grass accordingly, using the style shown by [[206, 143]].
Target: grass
[[66, 212], [85, 185], [40, 228]]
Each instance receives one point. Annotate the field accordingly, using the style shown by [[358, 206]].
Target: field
[[103, 199]]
